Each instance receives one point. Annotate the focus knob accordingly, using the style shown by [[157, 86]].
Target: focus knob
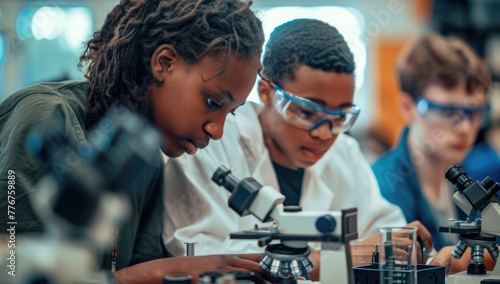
[[326, 224]]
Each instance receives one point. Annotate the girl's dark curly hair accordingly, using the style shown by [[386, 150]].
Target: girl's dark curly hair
[[305, 42], [119, 55]]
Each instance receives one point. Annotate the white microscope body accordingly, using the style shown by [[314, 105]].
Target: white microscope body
[[293, 228]]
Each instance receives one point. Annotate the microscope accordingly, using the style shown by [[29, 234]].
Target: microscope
[[81, 198], [478, 234], [287, 252]]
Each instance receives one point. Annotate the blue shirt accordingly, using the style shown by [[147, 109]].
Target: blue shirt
[[481, 162], [397, 178]]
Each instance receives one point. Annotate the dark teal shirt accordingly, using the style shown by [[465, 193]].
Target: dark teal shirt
[[399, 184], [290, 183], [34, 108]]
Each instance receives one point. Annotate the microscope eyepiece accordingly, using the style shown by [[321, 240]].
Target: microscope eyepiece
[[223, 177], [457, 176], [477, 193], [242, 192], [220, 174]]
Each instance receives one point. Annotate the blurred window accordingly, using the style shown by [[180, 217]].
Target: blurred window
[[51, 42], [349, 21]]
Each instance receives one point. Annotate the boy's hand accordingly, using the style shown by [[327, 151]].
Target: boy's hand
[[444, 258], [424, 235]]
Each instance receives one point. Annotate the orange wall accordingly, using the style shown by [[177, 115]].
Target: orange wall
[[388, 120]]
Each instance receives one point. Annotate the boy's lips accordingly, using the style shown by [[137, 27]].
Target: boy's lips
[[313, 154], [459, 146]]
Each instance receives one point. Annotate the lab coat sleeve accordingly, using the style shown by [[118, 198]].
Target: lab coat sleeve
[[196, 208], [188, 199], [374, 211]]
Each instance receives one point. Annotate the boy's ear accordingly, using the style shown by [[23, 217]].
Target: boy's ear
[[407, 106], [266, 92], [162, 60]]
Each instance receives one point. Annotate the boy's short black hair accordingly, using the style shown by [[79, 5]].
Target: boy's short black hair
[[305, 42]]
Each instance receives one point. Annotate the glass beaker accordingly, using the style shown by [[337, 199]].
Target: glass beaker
[[398, 258]]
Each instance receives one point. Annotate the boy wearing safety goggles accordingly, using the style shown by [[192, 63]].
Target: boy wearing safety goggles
[[443, 98], [293, 142]]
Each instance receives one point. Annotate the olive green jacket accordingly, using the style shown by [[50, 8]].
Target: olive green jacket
[[35, 107]]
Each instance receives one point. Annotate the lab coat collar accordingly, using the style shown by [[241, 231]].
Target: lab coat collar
[[319, 194]]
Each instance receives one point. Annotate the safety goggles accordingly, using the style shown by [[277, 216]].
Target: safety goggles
[[451, 114], [305, 114]]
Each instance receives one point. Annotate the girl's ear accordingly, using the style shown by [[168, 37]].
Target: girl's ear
[[407, 106], [266, 92], [162, 61]]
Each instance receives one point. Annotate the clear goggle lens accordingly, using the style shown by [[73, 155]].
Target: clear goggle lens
[[449, 114], [308, 115]]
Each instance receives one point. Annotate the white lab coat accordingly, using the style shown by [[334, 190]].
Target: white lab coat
[[196, 208]]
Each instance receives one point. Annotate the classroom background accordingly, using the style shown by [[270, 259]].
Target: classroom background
[[41, 40]]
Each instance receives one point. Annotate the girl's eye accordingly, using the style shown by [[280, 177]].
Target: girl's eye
[[212, 104]]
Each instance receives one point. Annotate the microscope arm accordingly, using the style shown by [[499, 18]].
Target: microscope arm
[[461, 201], [307, 222], [490, 216], [266, 204]]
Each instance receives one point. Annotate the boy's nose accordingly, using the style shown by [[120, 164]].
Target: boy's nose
[[467, 123], [322, 131]]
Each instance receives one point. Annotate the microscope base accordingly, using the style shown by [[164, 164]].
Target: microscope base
[[464, 278]]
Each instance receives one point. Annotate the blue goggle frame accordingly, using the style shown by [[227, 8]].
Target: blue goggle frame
[[353, 110], [423, 106]]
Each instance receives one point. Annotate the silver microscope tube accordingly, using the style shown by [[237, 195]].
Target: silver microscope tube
[[459, 250], [477, 254], [493, 250]]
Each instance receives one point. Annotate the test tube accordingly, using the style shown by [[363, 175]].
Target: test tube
[[190, 248]]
